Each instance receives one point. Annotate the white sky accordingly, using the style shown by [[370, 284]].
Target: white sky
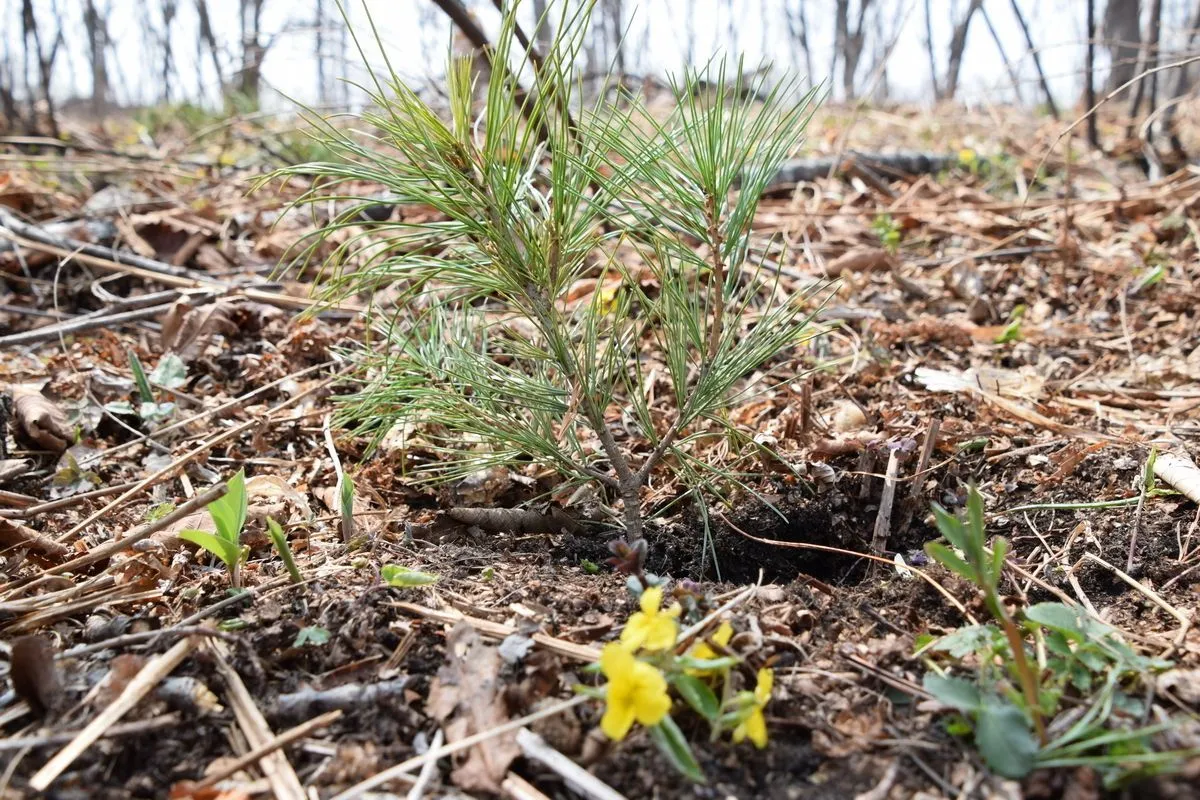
[[416, 36]]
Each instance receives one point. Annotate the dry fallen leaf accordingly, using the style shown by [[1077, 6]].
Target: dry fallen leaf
[[34, 675], [187, 330], [467, 698], [41, 424], [860, 259]]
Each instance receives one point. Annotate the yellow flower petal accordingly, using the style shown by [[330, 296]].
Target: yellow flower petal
[[702, 651], [651, 702], [766, 682], [635, 691], [617, 720], [661, 633], [756, 729], [651, 600], [615, 660]]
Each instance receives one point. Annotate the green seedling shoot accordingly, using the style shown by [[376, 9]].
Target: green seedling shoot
[[229, 517], [279, 539]]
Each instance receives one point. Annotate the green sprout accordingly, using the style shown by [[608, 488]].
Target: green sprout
[[228, 514], [888, 231], [1012, 331], [403, 577], [279, 539], [1053, 683]]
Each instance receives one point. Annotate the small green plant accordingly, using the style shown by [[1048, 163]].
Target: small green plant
[[170, 373], [490, 355], [643, 667], [228, 514], [888, 231], [1012, 331], [403, 577], [1052, 683], [311, 635], [279, 539]]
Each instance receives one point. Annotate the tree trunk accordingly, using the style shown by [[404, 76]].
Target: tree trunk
[[543, 27], [958, 43], [45, 61], [209, 38], [96, 25], [250, 80], [933, 73], [1089, 77], [1123, 38]]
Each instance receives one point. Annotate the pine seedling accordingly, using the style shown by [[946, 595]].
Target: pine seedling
[[485, 352]]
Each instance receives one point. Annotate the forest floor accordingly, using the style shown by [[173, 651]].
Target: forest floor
[[1041, 317]]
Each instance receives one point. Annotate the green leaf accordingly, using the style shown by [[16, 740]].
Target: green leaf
[[229, 512], [968, 640], [954, 692], [170, 372], [698, 695], [396, 575], [672, 744], [139, 377], [120, 408], [951, 527], [950, 560], [311, 634], [1004, 739], [999, 550], [279, 539], [227, 551], [155, 412], [1057, 617], [347, 497], [708, 664], [346, 506], [589, 567], [976, 531]]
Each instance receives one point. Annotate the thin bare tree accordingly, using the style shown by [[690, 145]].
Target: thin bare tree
[[1037, 59], [958, 43], [1013, 78], [1089, 77], [44, 58], [797, 21], [1182, 83], [95, 22], [253, 49], [209, 38], [849, 42], [168, 7], [1149, 61], [933, 73]]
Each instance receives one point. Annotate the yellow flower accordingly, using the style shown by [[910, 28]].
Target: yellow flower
[[651, 628], [754, 726], [606, 299], [702, 651], [636, 691]]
